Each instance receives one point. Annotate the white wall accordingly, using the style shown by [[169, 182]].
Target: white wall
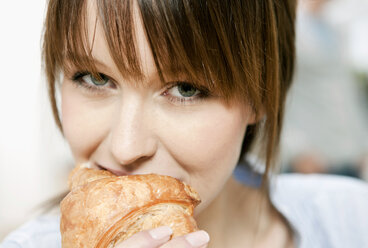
[[34, 159]]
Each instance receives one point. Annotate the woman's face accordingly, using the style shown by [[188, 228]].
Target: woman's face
[[142, 128]]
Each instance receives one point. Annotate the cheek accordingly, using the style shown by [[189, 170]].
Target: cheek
[[207, 144], [204, 140], [81, 128]]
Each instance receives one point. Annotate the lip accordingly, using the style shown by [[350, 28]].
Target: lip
[[113, 171], [122, 172]]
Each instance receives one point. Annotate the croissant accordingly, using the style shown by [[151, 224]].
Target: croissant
[[103, 209]]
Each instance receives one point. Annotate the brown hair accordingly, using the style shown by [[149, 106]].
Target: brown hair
[[243, 49]]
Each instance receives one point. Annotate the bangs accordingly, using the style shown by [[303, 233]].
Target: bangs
[[187, 38]]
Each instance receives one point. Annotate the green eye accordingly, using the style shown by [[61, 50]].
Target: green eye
[[186, 90], [104, 80]]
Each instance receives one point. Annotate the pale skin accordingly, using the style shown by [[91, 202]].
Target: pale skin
[[140, 127]]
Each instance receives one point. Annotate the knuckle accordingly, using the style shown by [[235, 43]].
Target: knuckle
[[179, 242], [143, 239], [138, 240]]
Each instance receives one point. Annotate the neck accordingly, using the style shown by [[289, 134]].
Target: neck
[[240, 216]]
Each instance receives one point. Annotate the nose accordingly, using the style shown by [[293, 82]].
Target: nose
[[132, 137]]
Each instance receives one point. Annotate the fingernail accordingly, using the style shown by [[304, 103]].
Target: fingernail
[[198, 239], [160, 232]]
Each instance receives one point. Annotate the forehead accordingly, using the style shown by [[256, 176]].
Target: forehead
[[100, 49]]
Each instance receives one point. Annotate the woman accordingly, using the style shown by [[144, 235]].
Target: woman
[[185, 89]]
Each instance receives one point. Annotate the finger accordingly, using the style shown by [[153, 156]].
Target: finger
[[148, 239], [198, 239]]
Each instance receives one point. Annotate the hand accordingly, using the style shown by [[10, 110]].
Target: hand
[[159, 237]]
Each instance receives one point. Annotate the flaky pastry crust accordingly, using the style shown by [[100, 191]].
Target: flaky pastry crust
[[103, 209]]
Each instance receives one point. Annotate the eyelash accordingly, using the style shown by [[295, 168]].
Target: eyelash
[[77, 79]]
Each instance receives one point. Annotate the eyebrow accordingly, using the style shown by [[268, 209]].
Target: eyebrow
[[100, 64], [177, 72], [97, 62]]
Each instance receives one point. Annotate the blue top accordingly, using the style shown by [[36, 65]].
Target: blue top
[[324, 211]]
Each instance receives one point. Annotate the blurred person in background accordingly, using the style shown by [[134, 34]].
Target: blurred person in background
[[308, 162], [363, 167], [331, 132]]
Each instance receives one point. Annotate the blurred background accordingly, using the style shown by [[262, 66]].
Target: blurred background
[[326, 122], [34, 159]]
